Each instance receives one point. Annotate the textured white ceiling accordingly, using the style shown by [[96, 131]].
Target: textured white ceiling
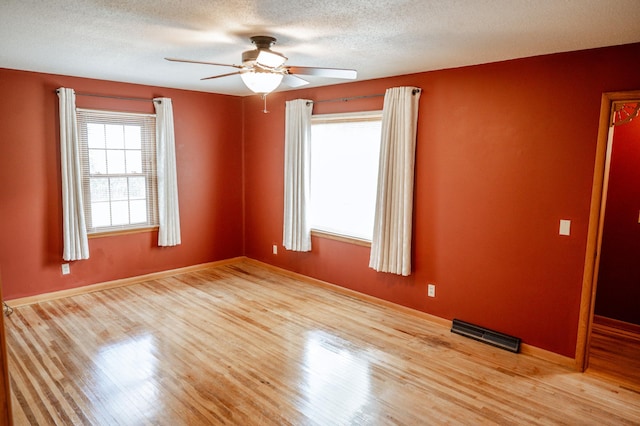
[[127, 40]]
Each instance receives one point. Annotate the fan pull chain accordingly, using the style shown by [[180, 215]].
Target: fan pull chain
[[264, 98]]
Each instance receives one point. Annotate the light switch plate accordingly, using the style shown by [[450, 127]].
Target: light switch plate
[[565, 227]]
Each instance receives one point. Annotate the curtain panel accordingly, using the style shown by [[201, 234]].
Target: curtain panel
[[74, 229], [297, 161], [391, 243], [168, 209]]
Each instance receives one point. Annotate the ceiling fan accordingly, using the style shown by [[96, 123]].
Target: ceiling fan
[[263, 69]]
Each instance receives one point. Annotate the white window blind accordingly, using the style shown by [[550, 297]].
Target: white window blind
[[118, 169], [345, 149]]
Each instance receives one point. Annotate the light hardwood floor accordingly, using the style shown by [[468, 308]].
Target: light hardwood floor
[[615, 355], [243, 344]]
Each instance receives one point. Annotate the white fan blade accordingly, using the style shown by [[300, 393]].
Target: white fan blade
[[324, 72], [294, 81], [189, 61], [221, 75]]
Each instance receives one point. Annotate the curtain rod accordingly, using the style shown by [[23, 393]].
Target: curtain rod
[[355, 97], [113, 97], [346, 99]]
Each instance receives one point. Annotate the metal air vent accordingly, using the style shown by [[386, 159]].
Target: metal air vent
[[485, 335]]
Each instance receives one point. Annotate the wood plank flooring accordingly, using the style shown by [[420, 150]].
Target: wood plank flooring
[[245, 345], [615, 355]]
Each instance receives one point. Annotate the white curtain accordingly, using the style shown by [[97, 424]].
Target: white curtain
[[168, 210], [74, 229], [297, 161], [391, 244]]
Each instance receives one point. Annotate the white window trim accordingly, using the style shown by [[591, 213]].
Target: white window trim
[[152, 201], [375, 115]]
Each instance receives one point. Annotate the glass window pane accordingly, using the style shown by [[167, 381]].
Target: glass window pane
[[115, 136], [119, 189], [99, 188], [95, 135], [119, 213], [132, 137], [344, 173], [138, 210], [97, 162], [134, 161], [100, 215], [137, 187], [115, 161]]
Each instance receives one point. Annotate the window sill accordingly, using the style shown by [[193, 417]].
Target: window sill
[[122, 232], [338, 237]]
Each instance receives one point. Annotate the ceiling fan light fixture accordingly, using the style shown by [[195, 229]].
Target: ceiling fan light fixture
[[261, 82]]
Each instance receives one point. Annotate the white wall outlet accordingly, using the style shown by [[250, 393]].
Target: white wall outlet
[[65, 269], [431, 290], [275, 249], [565, 227]]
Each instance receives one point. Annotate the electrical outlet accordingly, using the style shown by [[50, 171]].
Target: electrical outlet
[[65, 269], [431, 290], [275, 249]]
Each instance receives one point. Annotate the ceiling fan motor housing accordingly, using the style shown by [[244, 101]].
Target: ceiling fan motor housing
[[262, 43], [249, 56]]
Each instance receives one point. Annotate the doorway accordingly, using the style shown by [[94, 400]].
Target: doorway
[[610, 110]]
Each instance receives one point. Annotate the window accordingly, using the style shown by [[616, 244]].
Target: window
[[344, 172], [118, 170]]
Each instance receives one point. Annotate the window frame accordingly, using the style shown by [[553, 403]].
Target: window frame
[[149, 167], [358, 116]]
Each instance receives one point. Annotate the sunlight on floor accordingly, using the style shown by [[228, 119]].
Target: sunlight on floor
[[126, 373], [336, 379]]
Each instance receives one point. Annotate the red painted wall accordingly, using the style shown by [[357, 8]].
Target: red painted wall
[[504, 151], [618, 293], [208, 130]]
